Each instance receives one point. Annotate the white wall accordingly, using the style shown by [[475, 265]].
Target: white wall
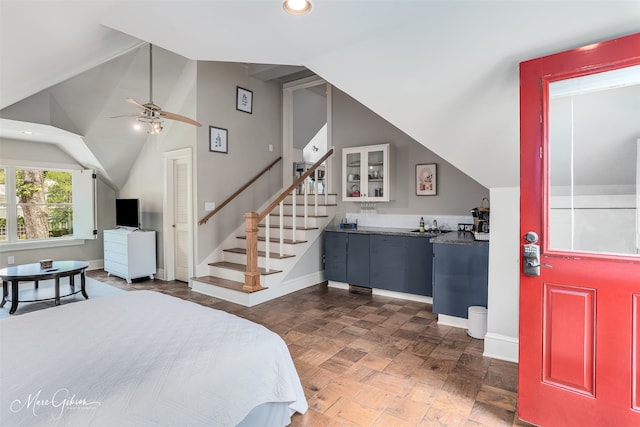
[[501, 340]]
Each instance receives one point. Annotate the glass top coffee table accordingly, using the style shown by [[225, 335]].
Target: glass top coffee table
[[33, 273]]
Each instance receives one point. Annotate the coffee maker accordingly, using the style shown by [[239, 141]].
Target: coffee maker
[[481, 217]]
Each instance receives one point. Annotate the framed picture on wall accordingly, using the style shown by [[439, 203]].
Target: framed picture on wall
[[218, 139], [244, 100], [426, 180]]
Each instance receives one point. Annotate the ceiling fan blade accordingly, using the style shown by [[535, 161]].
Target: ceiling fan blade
[[126, 115], [178, 117], [136, 103]]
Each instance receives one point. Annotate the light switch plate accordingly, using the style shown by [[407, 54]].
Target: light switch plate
[[209, 206]]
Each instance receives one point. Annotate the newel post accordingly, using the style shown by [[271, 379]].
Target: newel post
[[251, 275]]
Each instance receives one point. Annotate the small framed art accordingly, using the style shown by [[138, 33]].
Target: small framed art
[[244, 100], [218, 139], [426, 180]]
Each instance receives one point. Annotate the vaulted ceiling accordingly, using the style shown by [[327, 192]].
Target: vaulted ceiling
[[445, 72]]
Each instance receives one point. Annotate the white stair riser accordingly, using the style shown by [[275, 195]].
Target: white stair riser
[[288, 221], [274, 263], [331, 199], [274, 233], [311, 210], [226, 273]]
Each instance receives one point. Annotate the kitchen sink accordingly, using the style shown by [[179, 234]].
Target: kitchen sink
[[432, 231]]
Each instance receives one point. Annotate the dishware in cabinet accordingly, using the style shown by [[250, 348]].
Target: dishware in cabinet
[[366, 173]]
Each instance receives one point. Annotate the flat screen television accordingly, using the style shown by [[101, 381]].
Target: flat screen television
[[128, 213]]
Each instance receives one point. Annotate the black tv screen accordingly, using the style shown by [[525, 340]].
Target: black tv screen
[[127, 213]]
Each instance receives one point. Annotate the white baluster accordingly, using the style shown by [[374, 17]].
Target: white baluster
[[293, 214], [266, 238], [305, 207], [282, 228]]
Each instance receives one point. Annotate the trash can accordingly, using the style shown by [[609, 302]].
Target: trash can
[[477, 321]]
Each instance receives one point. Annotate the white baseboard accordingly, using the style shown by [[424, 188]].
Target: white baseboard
[[385, 293], [96, 264], [501, 347], [456, 322]]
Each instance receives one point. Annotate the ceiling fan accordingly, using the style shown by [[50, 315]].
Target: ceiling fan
[[152, 115]]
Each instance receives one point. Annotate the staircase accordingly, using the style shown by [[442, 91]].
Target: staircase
[[293, 265]]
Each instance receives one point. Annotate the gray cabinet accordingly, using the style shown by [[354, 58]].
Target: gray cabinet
[[335, 256], [381, 261], [358, 259], [420, 266], [389, 262], [460, 278]]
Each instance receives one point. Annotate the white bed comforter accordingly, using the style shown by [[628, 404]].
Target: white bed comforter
[[140, 359]]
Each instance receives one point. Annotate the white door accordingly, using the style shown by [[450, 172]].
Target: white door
[[181, 219], [178, 230]]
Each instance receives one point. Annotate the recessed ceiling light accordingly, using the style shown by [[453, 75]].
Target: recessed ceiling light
[[297, 7], [27, 132]]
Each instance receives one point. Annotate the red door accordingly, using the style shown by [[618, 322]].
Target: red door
[[579, 361]]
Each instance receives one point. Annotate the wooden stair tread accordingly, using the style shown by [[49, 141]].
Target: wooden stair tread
[[310, 205], [223, 283], [275, 240], [288, 227], [273, 255], [241, 267]]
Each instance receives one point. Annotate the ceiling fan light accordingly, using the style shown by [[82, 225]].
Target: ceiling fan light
[[297, 7]]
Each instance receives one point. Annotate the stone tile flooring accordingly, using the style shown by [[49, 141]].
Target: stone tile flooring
[[375, 361]]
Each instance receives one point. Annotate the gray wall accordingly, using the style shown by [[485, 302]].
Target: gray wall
[[219, 175], [355, 125]]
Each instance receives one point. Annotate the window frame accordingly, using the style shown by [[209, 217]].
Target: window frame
[[78, 238]]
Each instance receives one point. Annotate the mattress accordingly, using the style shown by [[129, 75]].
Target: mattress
[[143, 359]]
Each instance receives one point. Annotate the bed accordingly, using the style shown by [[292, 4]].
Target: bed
[[143, 358]]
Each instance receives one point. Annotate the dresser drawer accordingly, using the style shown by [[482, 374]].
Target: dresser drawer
[[115, 238], [115, 248], [116, 268]]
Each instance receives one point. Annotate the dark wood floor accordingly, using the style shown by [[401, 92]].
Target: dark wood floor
[[375, 361]]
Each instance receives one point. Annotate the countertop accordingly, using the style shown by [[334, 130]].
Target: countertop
[[454, 237]]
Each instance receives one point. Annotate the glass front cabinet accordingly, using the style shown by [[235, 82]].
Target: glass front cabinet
[[366, 173]]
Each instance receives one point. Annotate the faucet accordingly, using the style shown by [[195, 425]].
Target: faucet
[[435, 224]]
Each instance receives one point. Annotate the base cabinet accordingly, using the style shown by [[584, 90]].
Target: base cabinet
[[130, 254], [460, 278], [394, 263]]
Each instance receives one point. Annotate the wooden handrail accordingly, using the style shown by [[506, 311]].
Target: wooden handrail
[[237, 193], [251, 274], [286, 192]]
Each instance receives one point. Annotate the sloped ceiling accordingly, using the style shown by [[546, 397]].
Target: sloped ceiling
[[445, 72]]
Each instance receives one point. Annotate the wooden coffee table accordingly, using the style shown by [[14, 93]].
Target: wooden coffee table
[[33, 273]]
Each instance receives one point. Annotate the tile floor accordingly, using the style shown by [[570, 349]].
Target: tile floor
[[375, 361]]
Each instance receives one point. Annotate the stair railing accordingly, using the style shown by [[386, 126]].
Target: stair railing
[[252, 219], [237, 193]]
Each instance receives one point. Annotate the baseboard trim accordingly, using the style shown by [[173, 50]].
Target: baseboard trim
[[385, 293], [456, 322], [501, 347]]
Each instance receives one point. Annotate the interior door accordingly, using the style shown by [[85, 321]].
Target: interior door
[[181, 219], [579, 361]]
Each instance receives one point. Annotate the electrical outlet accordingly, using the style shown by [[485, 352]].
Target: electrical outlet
[[10, 259]]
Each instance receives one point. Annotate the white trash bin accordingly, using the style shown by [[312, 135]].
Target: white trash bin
[[477, 321]]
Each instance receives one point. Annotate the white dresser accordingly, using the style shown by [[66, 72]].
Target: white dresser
[[130, 254]]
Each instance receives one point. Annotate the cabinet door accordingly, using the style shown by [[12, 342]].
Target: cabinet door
[[376, 188], [420, 266], [358, 259], [389, 262], [460, 278], [335, 256], [366, 173]]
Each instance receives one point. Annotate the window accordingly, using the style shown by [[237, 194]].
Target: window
[[45, 204]]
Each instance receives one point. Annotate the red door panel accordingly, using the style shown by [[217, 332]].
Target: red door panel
[[579, 362], [569, 337]]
